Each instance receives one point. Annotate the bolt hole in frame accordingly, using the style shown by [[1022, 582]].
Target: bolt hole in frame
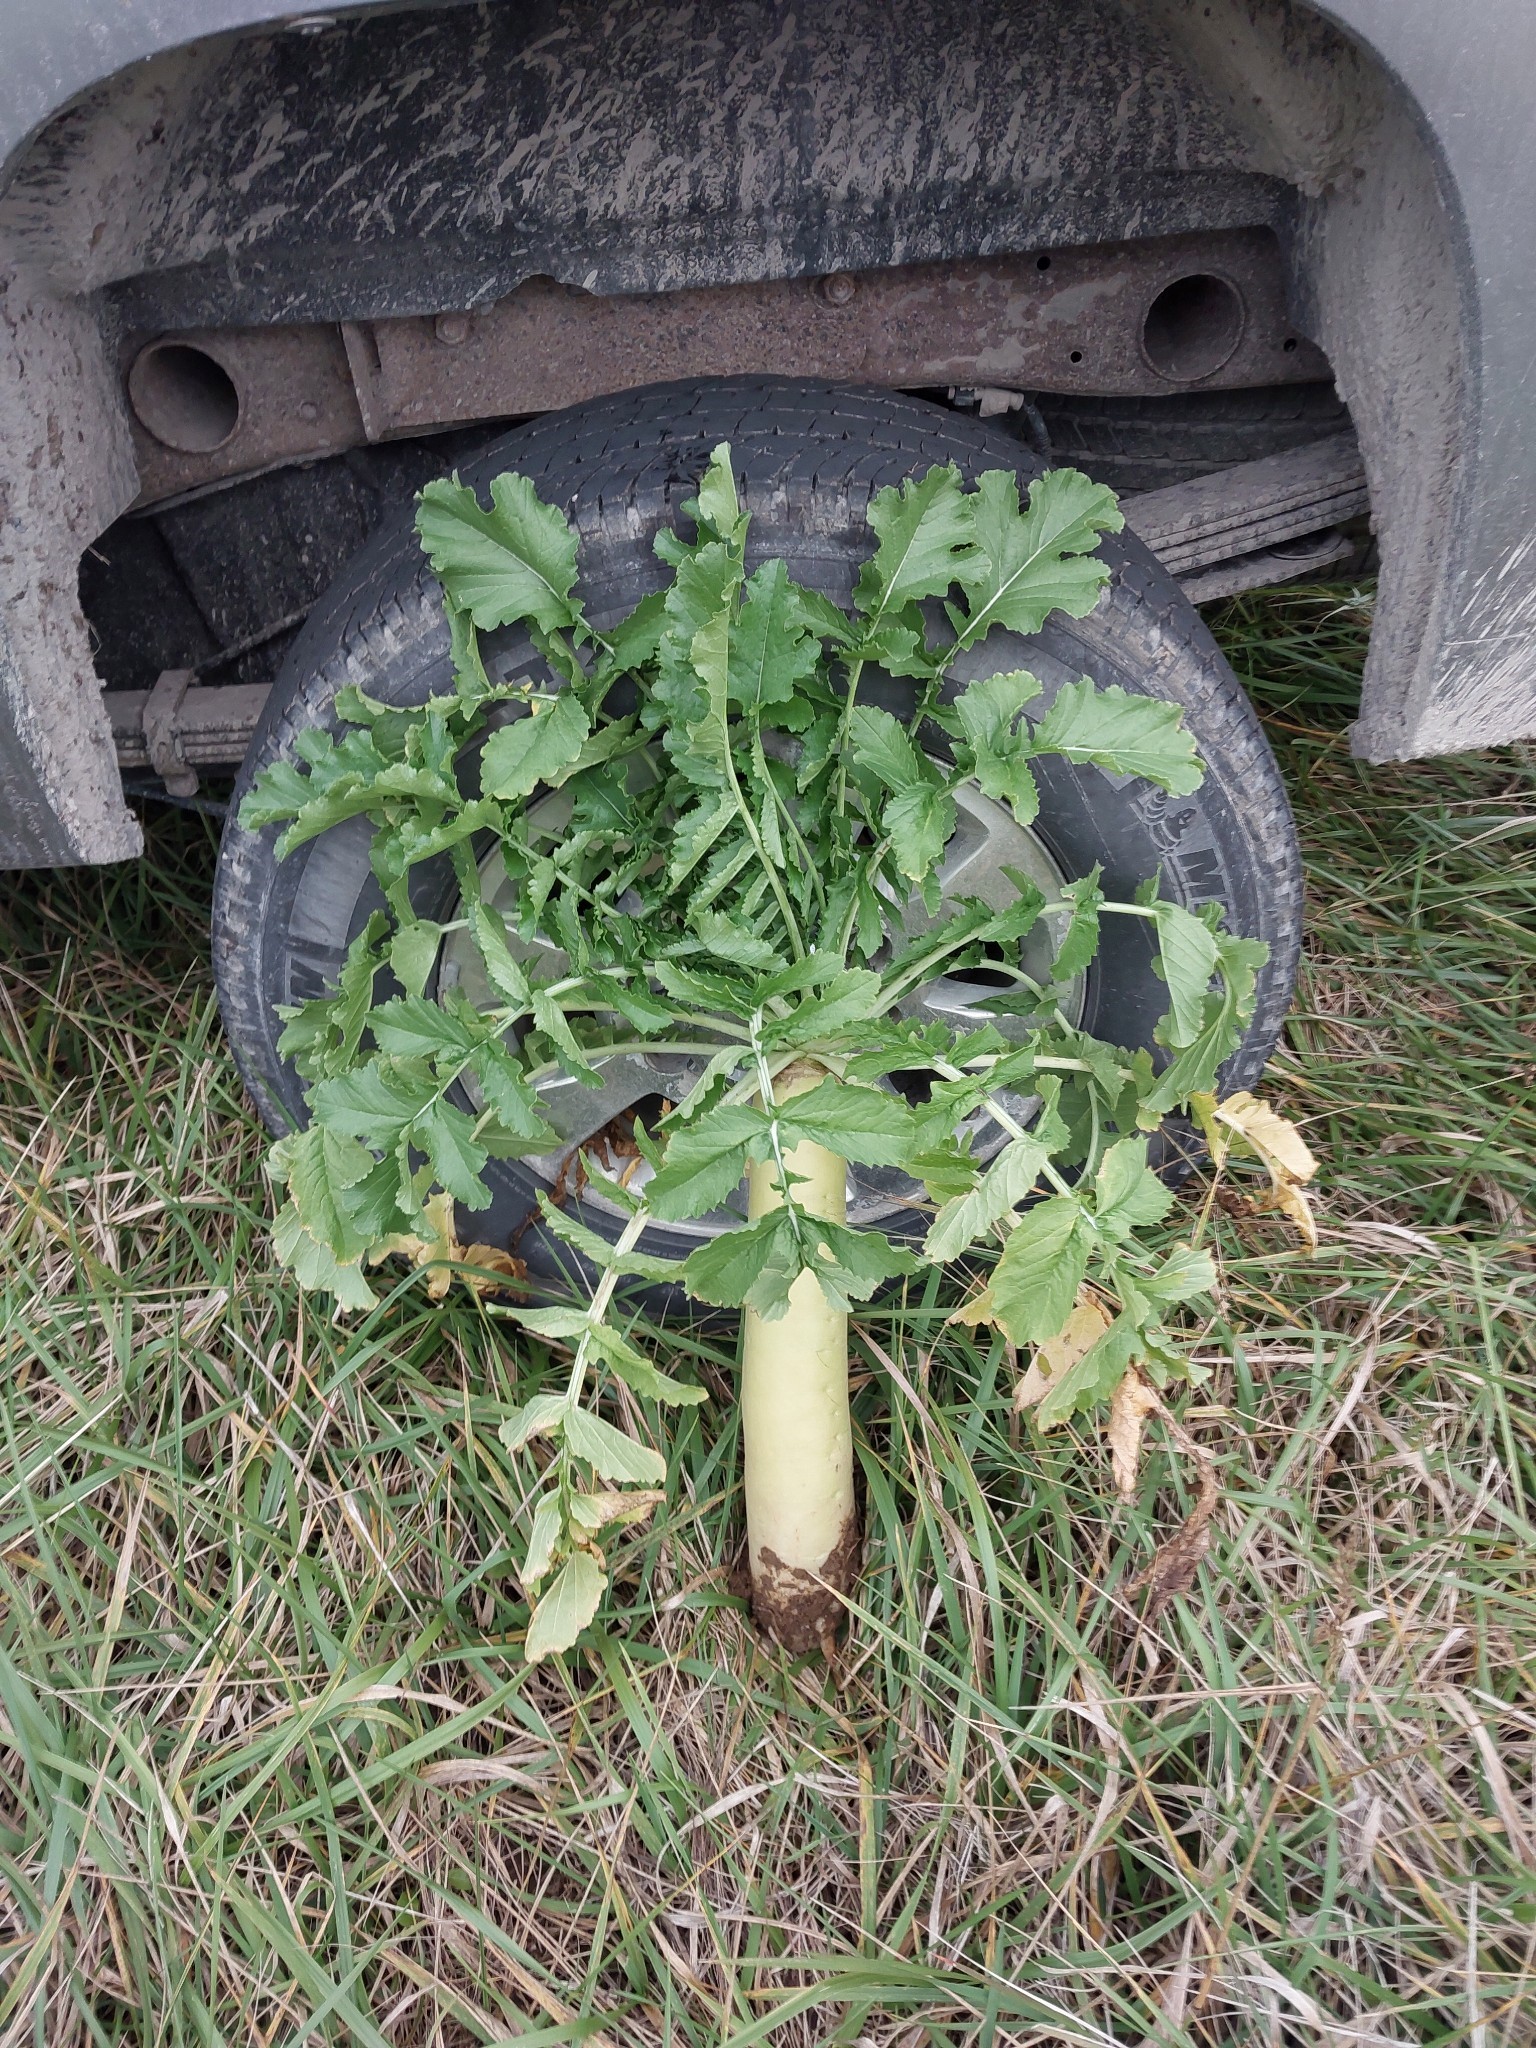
[[185, 397], [1193, 327]]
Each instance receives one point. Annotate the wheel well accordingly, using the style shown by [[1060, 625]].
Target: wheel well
[[303, 196]]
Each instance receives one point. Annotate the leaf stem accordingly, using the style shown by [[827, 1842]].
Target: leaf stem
[[791, 927], [1009, 1123], [765, 1081], [845, 718], [812, 868], [602, 1294]]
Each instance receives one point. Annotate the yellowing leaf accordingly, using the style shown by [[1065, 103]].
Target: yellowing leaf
[[979, 1309], [496, 1270], [438, 1246], [566, 1608], [1084, 1327], [596, 1510], [544, 1540], [1272, 1137], [1202, 1108], [1274, 1140], [1291, 1201], [1133, 1402]]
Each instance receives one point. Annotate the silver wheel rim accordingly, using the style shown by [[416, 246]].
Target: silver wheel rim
[[987, 841]]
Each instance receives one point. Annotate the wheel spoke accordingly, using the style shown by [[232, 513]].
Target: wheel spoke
[[577, 1111], [986, 840], [963, 1005]]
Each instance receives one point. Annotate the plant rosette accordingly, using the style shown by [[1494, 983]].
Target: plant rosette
[[741, 840]]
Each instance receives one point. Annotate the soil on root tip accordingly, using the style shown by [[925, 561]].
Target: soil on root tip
[[804, 1610]]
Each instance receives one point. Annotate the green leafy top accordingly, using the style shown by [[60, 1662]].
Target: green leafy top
[[728, 878]]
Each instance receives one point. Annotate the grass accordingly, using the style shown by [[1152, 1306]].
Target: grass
[[271, 1770]]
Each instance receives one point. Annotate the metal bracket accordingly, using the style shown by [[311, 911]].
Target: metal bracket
[[1239, 512], [162, 739]]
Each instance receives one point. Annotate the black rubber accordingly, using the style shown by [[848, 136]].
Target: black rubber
[[809, 457], [1144, 444]]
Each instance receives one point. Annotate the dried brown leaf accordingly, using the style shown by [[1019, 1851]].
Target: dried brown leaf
[[1133, 1402], [1174, 1563], [1291, 1201], [438, 1247], [1268, 1135]]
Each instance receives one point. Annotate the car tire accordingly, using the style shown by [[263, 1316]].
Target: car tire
[[809, 457], [1147, 444]]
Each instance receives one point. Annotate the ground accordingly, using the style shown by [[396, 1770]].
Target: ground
[[271, 1768]]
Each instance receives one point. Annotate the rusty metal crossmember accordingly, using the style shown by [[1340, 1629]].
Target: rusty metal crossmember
[[1172, 313]]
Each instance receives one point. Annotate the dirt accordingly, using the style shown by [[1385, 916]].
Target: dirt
[[803, 1610]]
